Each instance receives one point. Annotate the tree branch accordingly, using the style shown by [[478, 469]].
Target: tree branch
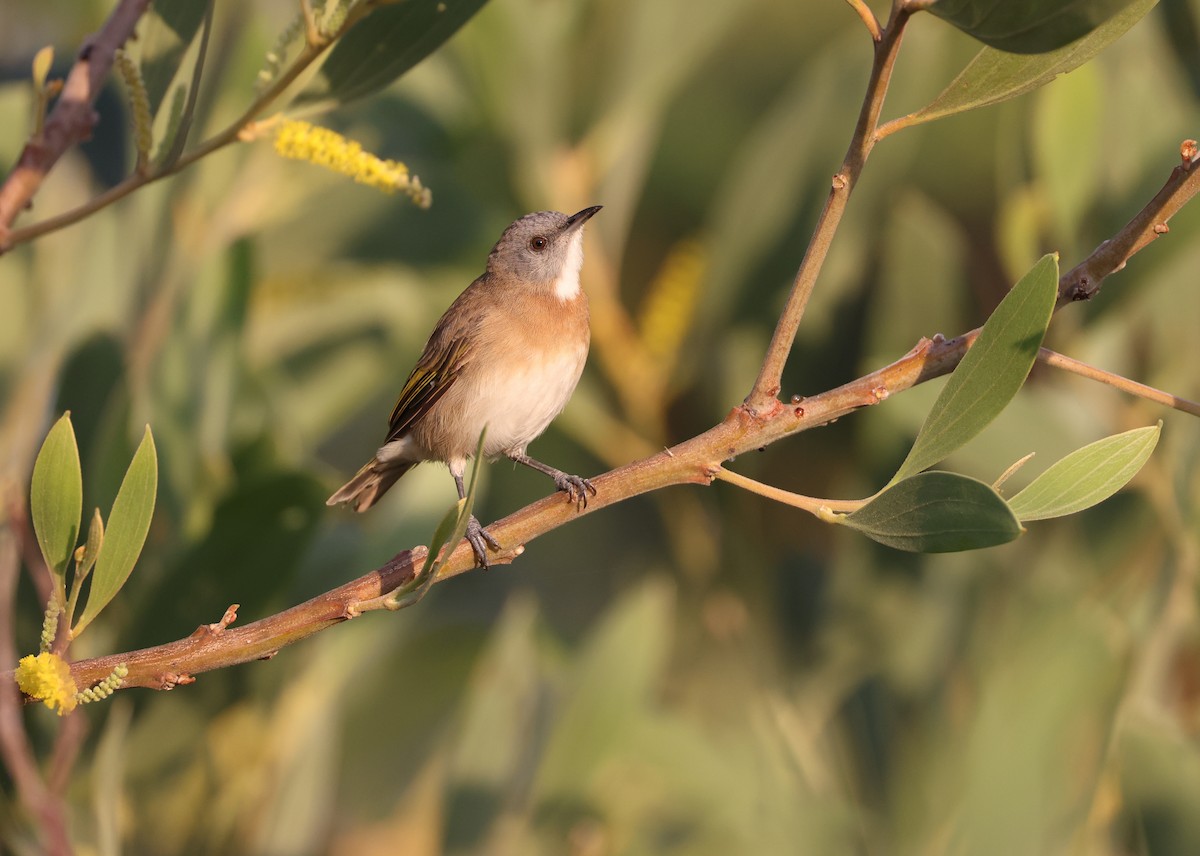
[[72, 118], [244, 127], [695, 461], [1083, 281], [766, 387]]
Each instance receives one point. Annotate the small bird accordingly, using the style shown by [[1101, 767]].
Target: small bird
[[506, 356]]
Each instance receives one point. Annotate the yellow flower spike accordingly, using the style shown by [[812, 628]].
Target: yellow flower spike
[[139, 102], [47, 677], [105, 688], [323, 147], [50, 623]]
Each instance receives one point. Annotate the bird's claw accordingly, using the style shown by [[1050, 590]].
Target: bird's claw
[[480, 539], [576, 489]]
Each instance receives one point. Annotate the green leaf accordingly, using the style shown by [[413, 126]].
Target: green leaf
[[936, 512], [1087, 476], [451, 530], [384, 45], [1027, 26], [611, 689], [85, 556], [42, 60], [128, 524], [165, 35], [56, 496], [991, 372], [443, 533], [1071, 109], [994, 76]]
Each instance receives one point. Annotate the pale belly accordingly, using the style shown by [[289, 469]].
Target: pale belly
[[516, 405]]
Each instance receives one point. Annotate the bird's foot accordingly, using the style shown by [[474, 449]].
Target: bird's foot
[[576, 489], [480, 539]]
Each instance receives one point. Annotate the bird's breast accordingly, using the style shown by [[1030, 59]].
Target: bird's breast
[[523, 368]]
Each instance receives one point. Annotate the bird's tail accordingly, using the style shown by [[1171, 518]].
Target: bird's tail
[[369, 483]]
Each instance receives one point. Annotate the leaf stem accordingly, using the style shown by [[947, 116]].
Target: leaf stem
[[1141, 390], [812, 504], [868, 18]]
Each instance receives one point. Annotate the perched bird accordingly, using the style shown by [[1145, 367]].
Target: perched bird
[[506, 355]]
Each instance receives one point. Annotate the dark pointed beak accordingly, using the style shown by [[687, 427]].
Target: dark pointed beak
[[578, 219]]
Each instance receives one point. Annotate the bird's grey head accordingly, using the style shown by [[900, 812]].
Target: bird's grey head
[[543, 248]]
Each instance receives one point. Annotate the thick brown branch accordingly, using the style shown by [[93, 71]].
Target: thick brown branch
[[213, 647], [72, 118]]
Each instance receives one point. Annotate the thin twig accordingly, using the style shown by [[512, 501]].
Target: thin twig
[[868, 18], [1083, 281], [234, 132], [812, 504], [1061, 361], [67, 744], [766, 387], [15, 749], [72, 118]]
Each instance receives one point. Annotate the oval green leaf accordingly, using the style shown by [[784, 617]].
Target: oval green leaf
[[1027, 26], [936, 512], [128, 524], [384, 45], [56, 496], [1087, 476], [991, 372], [994, 76]]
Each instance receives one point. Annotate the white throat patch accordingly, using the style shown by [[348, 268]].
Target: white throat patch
[[566, 287]]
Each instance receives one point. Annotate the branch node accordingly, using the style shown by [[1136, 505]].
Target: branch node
[[1161, 228], [170, 680], [1188, 150]]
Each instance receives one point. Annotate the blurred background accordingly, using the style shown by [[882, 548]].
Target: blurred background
[[694, 672]]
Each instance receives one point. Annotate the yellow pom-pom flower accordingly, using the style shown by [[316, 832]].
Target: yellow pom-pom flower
[[329, 149], [47, 677]]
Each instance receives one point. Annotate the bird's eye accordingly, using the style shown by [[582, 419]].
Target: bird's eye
[[538, 244]]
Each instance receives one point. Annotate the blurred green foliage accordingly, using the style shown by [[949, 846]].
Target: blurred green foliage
[[696, 672]]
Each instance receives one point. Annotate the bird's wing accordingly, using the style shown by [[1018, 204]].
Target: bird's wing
[[431, 378]]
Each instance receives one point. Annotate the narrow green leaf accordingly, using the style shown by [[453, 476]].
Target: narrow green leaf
[[85, 556], [466, 506], [936, 512], [445, 529], [992, 371], [384, 45], [42, 60], [167, 32], [128, 524], [451, 530], [1087, 476], [56, 496], [1027, 26], [994, 76]]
